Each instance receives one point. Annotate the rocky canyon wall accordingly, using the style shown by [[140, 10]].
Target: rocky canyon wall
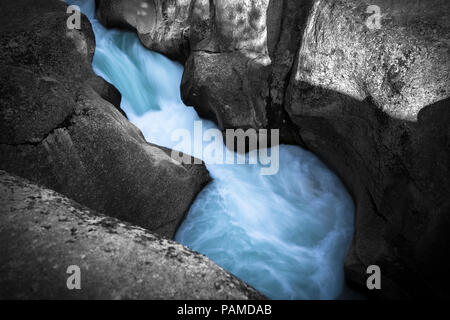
[[46, 232], [61, 125]]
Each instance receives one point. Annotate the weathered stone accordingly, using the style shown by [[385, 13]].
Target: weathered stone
[[57, 131], [162, 25], [373, 103], [42, 233], [231, 50]]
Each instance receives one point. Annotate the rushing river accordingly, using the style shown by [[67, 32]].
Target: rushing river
[[285, 234]]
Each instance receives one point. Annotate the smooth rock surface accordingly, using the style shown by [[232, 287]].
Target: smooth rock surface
[[42, 233], [57, 130]]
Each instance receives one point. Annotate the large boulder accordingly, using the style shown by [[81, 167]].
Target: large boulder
[[229, 47], [42, 233], [374, 104], [162, 25], [401, 66], [57, 130], [242, 54]]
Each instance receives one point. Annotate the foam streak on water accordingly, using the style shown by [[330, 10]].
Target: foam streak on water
[[287, 234]]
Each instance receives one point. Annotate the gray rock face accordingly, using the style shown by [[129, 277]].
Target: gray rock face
[[57, 130], [228, 43], [42, 233], [242, 52], [240, 64], [402, 67], [230, 48], [372, 103], [162, 25]]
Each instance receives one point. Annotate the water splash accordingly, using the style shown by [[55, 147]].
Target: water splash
[[287, 234]]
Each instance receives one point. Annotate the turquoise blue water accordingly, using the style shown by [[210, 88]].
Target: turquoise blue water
[[286, 234]]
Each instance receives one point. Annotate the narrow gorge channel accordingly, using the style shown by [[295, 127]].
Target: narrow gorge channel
[[286, 234]]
